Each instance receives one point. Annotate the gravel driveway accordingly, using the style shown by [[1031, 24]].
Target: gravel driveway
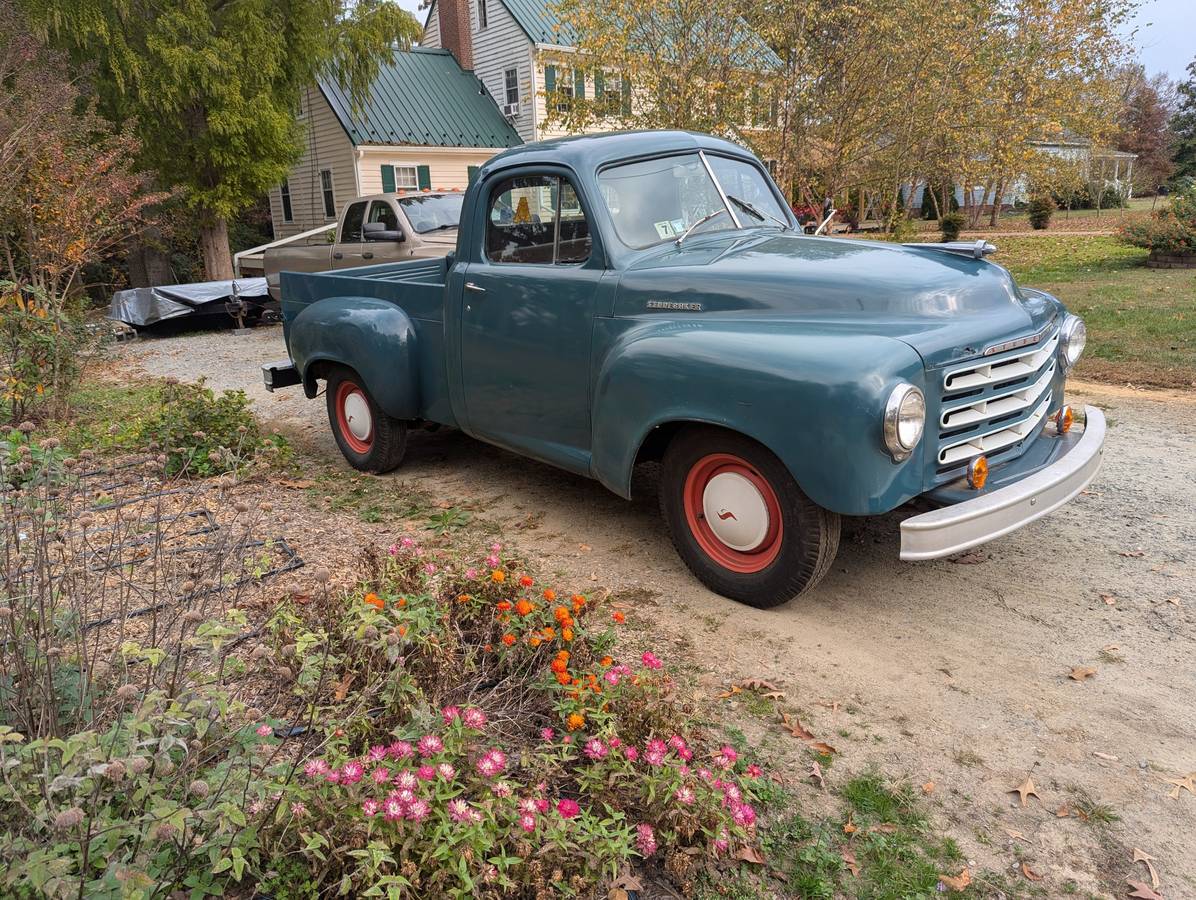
[[953, 671]]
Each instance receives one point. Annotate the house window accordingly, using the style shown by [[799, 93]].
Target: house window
[[511, 85], [558, 84], [329, 198], [406, 178], [483, 18], [288, 214]]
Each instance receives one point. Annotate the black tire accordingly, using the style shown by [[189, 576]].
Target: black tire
[[790, 560], [382, 450]]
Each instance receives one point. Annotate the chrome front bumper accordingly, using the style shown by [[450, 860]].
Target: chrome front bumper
[[955, 528]]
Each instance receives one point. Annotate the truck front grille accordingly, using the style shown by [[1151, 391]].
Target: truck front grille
[[993, 406]]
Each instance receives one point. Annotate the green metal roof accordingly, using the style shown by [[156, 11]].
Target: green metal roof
[[423, 98]]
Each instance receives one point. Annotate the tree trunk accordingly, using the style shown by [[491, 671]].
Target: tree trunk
[[996, 211], [149, 263], [213, 243]]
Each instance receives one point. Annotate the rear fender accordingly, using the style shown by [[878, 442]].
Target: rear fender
[[814, 399], [374, 338]]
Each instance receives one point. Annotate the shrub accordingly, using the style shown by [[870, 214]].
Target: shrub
[[40, 348], [1039, 211], [951, 225], [1170, 230]]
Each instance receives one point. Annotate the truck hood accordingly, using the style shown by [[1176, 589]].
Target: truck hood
[[946, 306]]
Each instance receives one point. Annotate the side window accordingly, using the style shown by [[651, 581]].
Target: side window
[[531, 220], [351, 230], [381, 211]]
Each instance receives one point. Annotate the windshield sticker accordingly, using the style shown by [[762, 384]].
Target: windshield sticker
[[665, 229], [678, 225]]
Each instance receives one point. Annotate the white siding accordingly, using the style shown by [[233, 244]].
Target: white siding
[[448, 167], [326, 146], [564, 74], [431, 36], [502, 45]]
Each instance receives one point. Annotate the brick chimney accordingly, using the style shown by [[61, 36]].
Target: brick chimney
[[455, 32]]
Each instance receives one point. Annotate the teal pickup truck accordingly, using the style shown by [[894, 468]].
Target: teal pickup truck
[[648, 297]]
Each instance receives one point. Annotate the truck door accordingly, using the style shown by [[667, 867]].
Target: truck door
[[384, 248], [347, 252], [527, 319]]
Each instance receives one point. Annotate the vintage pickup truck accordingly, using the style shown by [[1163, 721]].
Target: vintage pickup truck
[[626, 298], [377, 229]]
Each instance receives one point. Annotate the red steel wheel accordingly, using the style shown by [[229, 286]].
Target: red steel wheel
[[733, 513], [354, 417]]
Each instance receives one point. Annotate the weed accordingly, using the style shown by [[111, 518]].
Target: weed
[[969, 759]]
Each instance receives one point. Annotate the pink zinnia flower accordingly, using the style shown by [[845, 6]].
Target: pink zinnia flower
[[683, 769], [676, 741], [369, 808], [645, 839], [425, 773], [685, 794], [407, 542], [754, 771], [496, 547], [527, 822], [730, 753], [430, 744], [655, 752], [650, 660], [502, 789], [377, 753], [333, 776], [722, 843], [392, 810], [458, 810], [430, 568], [399, 750], [731, 792], [542, 805], [705, 774], [351, 772], [381, 775], [471, 574], [403, 795], [449, 713], [744, 815], [406, 780], [568, 809], [492, 561], [446, 771], [595, 749], [393, 550], [264, 730], [631, 752], [528, 805], [547, 734], [298, 809], [474, 718], [418, 810], [615, 743], [315, 768]]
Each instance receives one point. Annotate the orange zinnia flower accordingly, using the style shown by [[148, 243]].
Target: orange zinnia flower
[[619, 617], [525, 581], [508, 639], [523, 607], [548, 633], [575, 721], [534, 641], [562, 677], [504, 605], [374, 600], [498, 576], [606, 661], [567, 634], [463, 598], [550, 595], [559, 665], [402, 631], [560, 613]]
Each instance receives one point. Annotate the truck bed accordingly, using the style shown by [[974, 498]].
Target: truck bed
[[417, 285]]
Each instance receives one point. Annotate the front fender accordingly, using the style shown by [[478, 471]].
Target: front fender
[[814, 397], [373, 337]]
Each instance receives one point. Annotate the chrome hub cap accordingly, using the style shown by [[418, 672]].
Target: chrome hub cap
[[357, 416], [736, 511]]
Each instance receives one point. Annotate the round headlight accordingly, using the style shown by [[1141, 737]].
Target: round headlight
[[905, 417], [1072, 338]]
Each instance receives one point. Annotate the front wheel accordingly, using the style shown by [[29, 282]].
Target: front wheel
[[739, 520], [370, 440]]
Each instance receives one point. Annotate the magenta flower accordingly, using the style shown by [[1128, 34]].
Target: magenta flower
[[631, 752], [685, 794], [568, 809], [315, 768], [496, 547], [458, 810], [723, 842], [380, 775], [527, 822], [369, 808], [377, 753], [492, 561], [650, 660], [405, 796], [406, 780], [446, 771], [430, 568], [298, 809], [449, 713], [730, 753], [264, 731], [645, 839], [502, 789], [474, 718], [333, 776], [754, 771], [471, 574], [430, 744], [542, 805], [655, 752], [731, 792], [705, 774], [527, 805], [393, 550], [425, 773], [399, 750], [492, 763], [392, 810], [595, 749], [547, 734], [407, 543], [615, 743], [418, 810], [351, 772], [744, 815], [676, 742], [611, 676]]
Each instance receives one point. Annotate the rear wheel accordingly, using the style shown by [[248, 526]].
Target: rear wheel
[[370, 440], [739, 520]]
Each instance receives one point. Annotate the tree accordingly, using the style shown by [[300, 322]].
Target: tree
[[211, 87], [1144, 129], [1183, 125]]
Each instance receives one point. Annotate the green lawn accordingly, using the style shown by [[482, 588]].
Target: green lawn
[[1141, 322]]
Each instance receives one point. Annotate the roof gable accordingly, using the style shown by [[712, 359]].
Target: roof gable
[[424, 98]]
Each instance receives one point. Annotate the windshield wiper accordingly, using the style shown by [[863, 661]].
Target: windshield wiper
[[702, 221], [759, 214]]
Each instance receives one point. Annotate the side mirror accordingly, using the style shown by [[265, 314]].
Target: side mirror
[[377, 231]]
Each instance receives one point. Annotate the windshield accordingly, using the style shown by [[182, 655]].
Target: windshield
[[432, 212], [660, 199]]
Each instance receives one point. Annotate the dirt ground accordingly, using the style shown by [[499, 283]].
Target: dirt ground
[[953, 672]]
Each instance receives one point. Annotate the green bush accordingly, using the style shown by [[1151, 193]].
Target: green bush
[[39, 350], [1039, 211], [203, 434], [951, 225], [1170, 230]]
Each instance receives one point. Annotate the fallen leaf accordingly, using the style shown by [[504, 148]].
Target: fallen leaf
[[730, 692], [1109, 599], [1030, 873], [1143, 891], [1111, 648], [1079, 673], [627, 881], [816, 774], [751, 855], [1024, 790], [1133, 553], [849, 860], [584, 548], [958, 882], [795, 728], [1174, 600], [928, 787], [617, 894], [342, 687], [850, 827], [1108, 756], [773, 695], [832, 705], [1181, 784], [823, 747], [759, 684], [1062, 812], [1142, 857], [1016, 835]]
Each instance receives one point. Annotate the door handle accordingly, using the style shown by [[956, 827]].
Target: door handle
[[470, 286], [338, 255], [367, 255]]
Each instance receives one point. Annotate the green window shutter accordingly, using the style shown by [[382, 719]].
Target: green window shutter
[[388, 179], [626, 105], [599, 83], [425, 177], [579, 83], [473, 173], [550, 79]]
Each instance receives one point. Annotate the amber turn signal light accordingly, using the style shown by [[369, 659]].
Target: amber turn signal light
[[1063, 420], [978, 472]]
